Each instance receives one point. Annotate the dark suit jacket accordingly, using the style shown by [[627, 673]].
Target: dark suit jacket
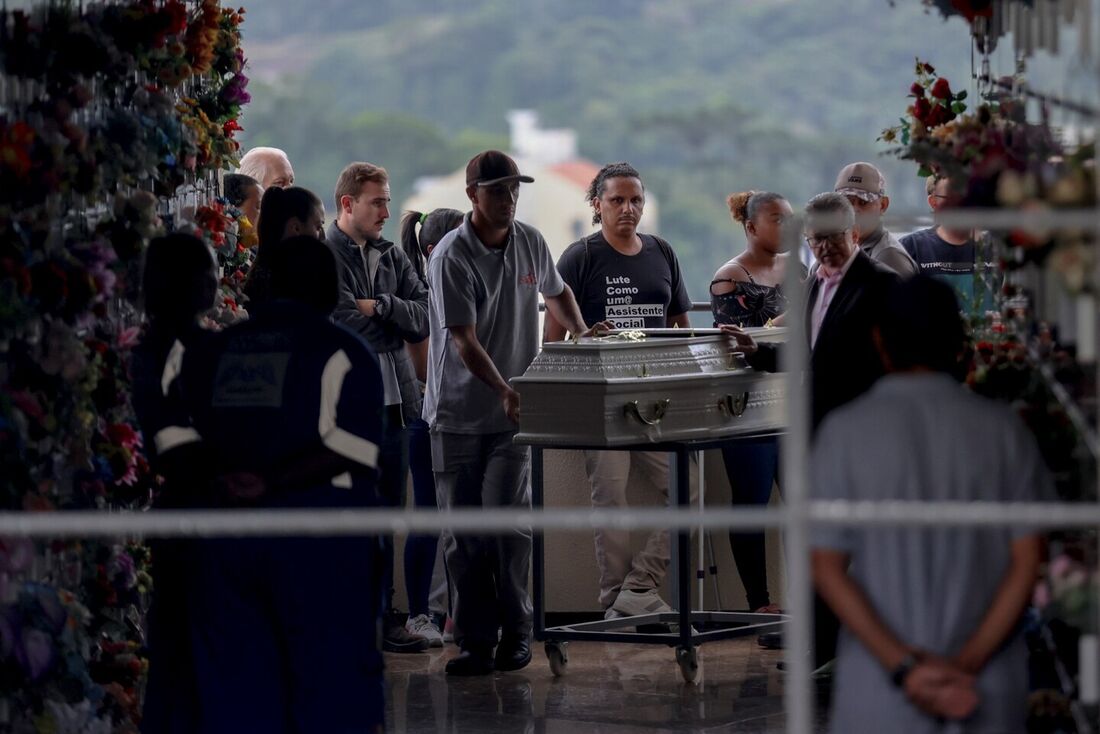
[[844, 362]]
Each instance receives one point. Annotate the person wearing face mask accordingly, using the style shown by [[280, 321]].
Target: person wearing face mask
[[632, 280], [865, 188]]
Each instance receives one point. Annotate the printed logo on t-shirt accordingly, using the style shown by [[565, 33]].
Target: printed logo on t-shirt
[[528, 279], [620, 308]]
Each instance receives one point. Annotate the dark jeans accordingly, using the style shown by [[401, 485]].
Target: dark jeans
[[752, 466], [420, 549], [489, 573], [283, 635], [171, 696], [393, 468]]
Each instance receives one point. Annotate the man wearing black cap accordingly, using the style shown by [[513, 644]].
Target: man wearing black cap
[[484, 280]]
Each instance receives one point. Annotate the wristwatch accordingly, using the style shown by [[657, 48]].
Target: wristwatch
[[381, 306], [904, 668]]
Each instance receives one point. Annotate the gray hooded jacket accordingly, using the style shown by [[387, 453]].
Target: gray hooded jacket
[[401, 313]]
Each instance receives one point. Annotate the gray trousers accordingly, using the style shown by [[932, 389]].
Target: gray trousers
[[488, 572]]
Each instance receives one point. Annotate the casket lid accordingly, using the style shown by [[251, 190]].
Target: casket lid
[[633, 355]]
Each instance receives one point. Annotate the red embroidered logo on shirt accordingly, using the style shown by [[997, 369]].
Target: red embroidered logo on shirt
[[528, 279]]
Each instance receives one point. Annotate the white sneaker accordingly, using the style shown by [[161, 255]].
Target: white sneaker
[[423, 625], [632, 603]]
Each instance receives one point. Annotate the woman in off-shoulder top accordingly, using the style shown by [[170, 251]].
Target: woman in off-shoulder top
[[748, 291]]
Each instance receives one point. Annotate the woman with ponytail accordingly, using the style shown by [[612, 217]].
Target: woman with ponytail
[[283, 213], [748, 291], [419, 243], [420, 233]]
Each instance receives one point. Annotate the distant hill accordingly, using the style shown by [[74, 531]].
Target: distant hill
[[705, 97]]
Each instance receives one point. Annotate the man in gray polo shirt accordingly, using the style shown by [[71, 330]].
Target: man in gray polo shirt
[[931, 614], [865, 188], [484, 280]]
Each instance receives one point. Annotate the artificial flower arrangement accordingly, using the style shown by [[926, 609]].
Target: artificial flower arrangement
[[994, 157], [94, 133], [233, 238], [141, 135]]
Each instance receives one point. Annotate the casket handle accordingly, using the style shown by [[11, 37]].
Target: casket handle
[[659, 408], [734, 405]]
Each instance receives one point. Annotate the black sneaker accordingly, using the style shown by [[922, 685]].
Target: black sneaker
[[399, 639]]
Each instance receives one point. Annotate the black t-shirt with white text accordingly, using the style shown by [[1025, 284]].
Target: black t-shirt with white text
[[632, 291]]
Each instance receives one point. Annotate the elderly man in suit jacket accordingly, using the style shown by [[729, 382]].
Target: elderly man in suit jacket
[[844, 297]]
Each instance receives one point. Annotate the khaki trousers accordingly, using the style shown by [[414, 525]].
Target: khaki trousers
[[610, 473]]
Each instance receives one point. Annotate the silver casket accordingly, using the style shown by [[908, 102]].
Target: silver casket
[[647, 387]]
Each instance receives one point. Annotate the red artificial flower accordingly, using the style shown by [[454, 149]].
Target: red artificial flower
[[937, 116], [971, 9], [921, 109], [230, 127], [177, 16], [122, 434], [916, 90], [941, 89]]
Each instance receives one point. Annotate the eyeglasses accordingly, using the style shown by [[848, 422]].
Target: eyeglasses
[[819, 240]]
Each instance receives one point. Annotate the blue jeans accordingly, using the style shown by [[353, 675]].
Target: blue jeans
[[752, 466], [420, 549]]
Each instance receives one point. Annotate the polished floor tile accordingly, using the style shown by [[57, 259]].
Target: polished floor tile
[[607, 688]]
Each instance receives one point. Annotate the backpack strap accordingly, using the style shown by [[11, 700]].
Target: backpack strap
[[666, 250], [585, 266]]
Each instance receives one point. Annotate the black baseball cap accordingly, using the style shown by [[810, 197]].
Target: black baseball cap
[[491, 167]]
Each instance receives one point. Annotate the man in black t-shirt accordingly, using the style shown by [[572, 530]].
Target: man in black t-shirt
[[641, 288], [632, 280]]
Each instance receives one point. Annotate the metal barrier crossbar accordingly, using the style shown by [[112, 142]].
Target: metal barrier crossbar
[[367, 521]]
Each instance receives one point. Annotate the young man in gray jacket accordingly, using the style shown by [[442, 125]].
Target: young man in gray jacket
[[383, 300]]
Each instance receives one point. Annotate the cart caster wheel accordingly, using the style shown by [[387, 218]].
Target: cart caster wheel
[[688, 660], [558, 657]]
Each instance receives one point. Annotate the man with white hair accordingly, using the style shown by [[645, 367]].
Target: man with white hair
[[269, 166]]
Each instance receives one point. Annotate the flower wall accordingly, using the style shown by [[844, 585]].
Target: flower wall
[[116, 119]]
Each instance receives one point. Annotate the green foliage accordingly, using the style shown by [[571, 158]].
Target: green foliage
[[705, 97]]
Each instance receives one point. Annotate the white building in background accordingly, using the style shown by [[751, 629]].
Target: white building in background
[[554, 204]]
